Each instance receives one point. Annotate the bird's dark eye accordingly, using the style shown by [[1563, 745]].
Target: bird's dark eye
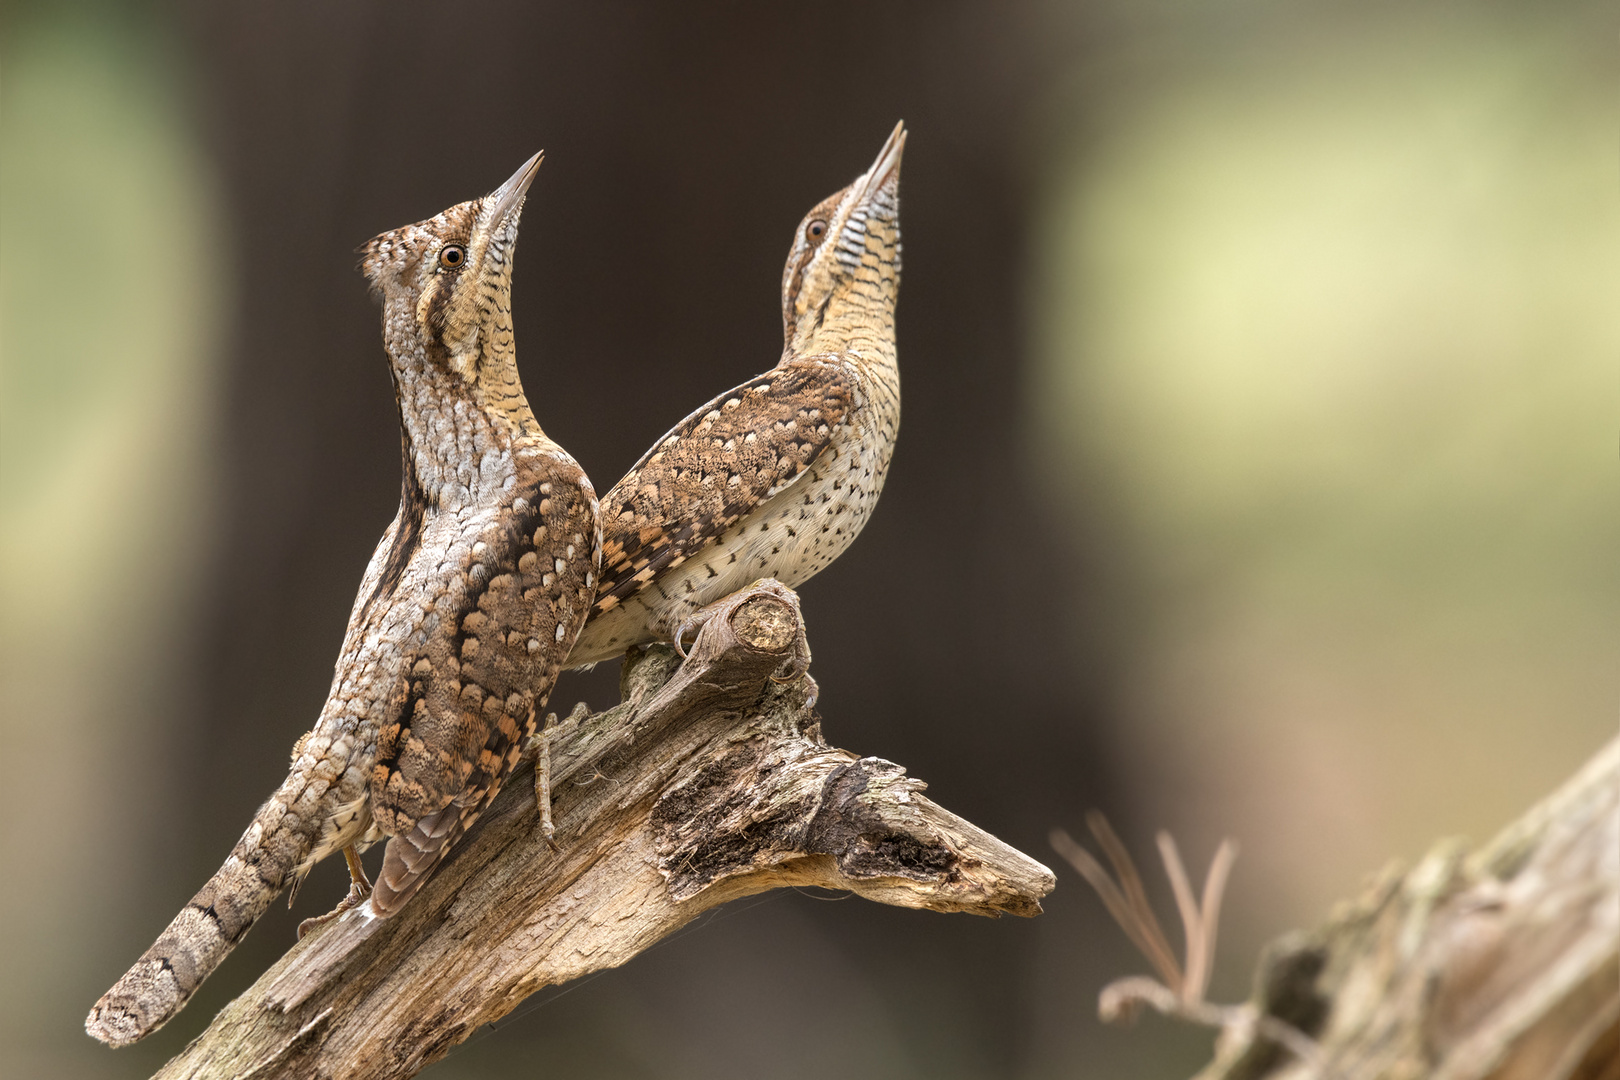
[[815, 230], [452, 257]]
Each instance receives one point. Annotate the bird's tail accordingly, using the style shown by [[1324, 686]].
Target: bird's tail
[[272, 850], [411, 856]]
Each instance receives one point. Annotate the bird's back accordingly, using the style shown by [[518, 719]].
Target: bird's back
[[773, 478]]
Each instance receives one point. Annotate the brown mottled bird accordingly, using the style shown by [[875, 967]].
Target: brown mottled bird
[[773, 478], [466, 612]]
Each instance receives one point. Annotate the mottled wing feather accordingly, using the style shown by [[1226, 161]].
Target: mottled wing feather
[[467, 703], [715, 467]]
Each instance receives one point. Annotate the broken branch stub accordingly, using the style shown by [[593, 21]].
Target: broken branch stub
[[708, 782]]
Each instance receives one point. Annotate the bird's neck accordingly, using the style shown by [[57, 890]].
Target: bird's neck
[[861, 325], [458, 430]]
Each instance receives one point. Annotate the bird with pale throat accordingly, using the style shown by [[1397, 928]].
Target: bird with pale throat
[[777, 476]]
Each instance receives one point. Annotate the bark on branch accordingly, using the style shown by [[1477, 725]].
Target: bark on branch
[[710, 781], [1501, 964]]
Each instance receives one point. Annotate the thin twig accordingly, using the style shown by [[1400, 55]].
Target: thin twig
[[1220, 870], [1131, 882], [1192, 923], [1180, 994], [1122, 999], [1118, 905]]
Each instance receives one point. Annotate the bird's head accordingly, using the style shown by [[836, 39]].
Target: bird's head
[[446, 288], [843, 273]]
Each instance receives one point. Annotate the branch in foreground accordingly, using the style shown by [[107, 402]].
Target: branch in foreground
[[709, 782], [1500, 965]]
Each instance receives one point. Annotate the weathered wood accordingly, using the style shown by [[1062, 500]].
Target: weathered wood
[[710, 781], [1503, 964]]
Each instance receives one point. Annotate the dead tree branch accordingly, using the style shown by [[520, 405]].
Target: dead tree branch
[[1502, 964], [710, 781]]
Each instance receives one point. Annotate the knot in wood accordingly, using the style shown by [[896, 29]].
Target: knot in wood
[[765, 623]]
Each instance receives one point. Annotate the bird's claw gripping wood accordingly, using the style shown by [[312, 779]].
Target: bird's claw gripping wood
[[359, 893], [796, 665], [799, 665], [690, 625], [540, 744]]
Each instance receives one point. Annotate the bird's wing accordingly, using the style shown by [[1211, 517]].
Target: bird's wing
[[715, 467], [511, 607]]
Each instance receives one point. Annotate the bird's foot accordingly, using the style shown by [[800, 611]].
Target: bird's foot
[[693, 624], [359, 893], [798, 665], [792, 669], [542, 781], [540, 744]]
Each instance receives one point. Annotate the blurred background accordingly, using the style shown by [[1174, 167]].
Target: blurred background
[[1257, 476]]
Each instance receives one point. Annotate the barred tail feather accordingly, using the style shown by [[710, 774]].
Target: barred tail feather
[[411, 856], [202, 935]]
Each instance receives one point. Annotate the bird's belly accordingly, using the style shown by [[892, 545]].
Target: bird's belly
[[792, 537]]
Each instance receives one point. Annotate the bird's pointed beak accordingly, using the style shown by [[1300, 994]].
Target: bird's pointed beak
[[887, 163], [510, 194]]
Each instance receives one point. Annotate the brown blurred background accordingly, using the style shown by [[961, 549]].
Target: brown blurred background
[[1257, 473]]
